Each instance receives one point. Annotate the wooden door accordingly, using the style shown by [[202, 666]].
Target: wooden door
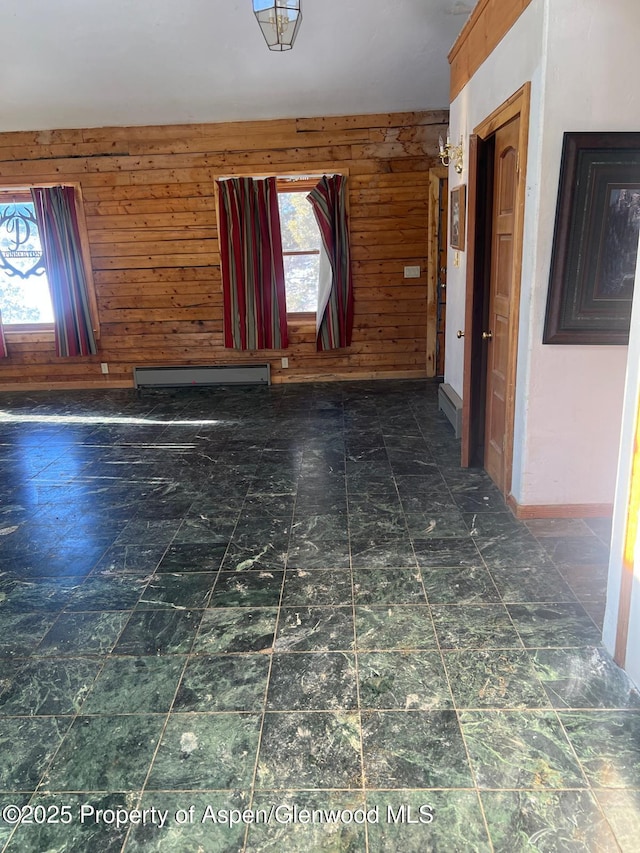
[[496, 335], [497, 163]]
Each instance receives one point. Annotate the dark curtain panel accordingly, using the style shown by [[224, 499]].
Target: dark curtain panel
[[3, 343], [57, 219], [255, 312], [335, 300]]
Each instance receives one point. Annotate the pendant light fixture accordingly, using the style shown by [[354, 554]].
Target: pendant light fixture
[[279, 21]]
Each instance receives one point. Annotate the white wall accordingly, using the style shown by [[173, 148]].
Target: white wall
[[516, 60], [625, 462], [575, 393], [568, 398]]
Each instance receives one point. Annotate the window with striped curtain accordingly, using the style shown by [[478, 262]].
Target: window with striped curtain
[[46, 284], [257, 270]]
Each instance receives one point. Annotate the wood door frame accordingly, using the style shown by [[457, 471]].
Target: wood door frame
[[436, 175], [477, 283]]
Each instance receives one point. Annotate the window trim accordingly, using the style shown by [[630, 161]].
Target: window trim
[[23, 333], [303, 320], [44, 332]]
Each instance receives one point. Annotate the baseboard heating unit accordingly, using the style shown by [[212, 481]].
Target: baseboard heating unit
[[174, 377], [451, 405]]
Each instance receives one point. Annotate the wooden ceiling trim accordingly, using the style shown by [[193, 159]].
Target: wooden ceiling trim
[[489, 22]]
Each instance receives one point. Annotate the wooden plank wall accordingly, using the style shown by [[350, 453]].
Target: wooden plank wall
[[150, 209]]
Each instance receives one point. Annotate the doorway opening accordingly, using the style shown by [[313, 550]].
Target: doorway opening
[[437, 270], [496, 195]]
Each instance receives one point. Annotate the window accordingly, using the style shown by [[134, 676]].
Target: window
[[313, 259], [300, 244], [24, 288], [46, 285]]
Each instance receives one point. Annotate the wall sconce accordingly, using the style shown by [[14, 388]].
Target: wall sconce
[[451, 153], [279, 21]]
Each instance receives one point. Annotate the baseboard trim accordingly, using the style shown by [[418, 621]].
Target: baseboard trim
[[450, 403], [290, 377], [524, 511], [82, 385]]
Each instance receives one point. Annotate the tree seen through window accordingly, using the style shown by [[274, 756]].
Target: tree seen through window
[[300, 249]]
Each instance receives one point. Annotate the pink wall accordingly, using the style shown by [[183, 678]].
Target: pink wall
[[574, 394], [568, 398]]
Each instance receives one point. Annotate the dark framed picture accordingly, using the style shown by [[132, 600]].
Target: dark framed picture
[[457, 209], [595, 243]]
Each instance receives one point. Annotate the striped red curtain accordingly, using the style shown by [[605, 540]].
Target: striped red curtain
[[335, 293], [55, 209], [3, 343], [255, 311]]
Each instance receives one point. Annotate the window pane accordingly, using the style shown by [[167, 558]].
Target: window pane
[[24, 290], [297, 223], [301, 282], [299, 234]]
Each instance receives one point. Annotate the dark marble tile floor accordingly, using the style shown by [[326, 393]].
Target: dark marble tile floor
[[285, 619]]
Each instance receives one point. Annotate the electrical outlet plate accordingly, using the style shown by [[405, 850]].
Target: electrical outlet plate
[[104, 367], [412, 272], [285, 362]]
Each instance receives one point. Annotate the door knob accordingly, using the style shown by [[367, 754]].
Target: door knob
[[487, 336], [460, 333]]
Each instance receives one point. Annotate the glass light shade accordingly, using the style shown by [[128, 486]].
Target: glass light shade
[[279, 22]]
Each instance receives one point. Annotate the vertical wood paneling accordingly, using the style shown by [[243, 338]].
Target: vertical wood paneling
[[152, 231]]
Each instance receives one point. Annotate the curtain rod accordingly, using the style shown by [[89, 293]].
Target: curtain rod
[[291, 178]]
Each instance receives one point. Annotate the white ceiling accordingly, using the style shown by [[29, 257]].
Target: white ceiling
[[94, 63]]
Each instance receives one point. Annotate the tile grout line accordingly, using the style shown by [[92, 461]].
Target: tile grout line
[[263, 715], [363, 774]]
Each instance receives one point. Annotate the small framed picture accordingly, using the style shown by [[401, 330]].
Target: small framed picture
[[457, 210]]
